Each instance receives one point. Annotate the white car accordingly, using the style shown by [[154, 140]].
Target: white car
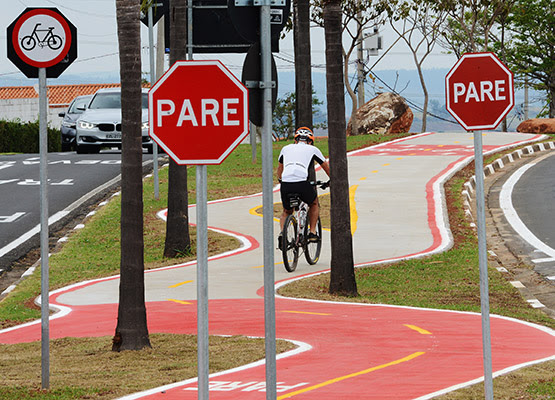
[[100, 124]]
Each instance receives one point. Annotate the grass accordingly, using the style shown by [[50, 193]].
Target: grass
[[94, 252], [172, 358]]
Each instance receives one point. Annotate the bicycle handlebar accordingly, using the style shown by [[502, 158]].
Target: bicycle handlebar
[[321, 184]]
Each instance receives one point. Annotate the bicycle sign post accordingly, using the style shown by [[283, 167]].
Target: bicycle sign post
[[42, 43]]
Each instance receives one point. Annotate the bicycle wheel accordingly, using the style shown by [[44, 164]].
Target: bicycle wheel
[[28, 43], [312, 249], [289, 246], [55, 42]]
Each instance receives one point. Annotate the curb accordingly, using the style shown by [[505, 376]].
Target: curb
[[469, 196]]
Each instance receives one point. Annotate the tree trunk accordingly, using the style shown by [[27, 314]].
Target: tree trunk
[[178, 240], [351, 92], [426, 96], [551, 94], [131, 330], [303, 70], [342, 279]]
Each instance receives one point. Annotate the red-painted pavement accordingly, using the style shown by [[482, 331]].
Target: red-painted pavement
[[348, 351]]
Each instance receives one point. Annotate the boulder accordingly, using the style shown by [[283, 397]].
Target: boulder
[[385, 114], [537, 125]]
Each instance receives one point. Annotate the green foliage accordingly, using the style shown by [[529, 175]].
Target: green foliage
[[23, 137], [284, 123], [531, 50]]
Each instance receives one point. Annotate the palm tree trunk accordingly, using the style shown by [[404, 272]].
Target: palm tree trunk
[[131, 330], [178, 240], [342, 279], [303, 70]]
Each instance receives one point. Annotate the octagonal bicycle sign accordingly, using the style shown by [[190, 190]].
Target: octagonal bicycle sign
[[41, 37]]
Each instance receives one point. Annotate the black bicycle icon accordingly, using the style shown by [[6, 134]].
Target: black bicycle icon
[[29, 42]]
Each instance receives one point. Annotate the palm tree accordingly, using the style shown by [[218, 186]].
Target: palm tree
[[178, 240], [342, 279], [303, 70], [131, 330]]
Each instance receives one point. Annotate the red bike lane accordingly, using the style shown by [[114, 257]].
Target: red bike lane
[[347, 350]]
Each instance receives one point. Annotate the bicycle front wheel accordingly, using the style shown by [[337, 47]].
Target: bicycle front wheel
[[312, 249], [55, 42], [289, 246]]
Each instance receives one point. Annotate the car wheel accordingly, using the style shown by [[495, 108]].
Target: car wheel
[[81, 149]]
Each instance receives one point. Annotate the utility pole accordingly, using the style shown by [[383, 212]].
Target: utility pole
[[360, 60]]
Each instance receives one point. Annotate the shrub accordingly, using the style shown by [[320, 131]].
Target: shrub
[[23, 137]]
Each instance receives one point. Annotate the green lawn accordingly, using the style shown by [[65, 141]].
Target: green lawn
[[94, 252]]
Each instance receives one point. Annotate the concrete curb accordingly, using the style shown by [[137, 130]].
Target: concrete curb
[[469, 193]]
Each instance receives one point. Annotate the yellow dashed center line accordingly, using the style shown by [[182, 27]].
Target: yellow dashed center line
[[353, 205], [179, 301], [305, 312], [179, 284], [417, 329], [341, 378]]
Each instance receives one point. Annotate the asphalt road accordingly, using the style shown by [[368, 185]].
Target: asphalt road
[[532, 195], [70, 178]]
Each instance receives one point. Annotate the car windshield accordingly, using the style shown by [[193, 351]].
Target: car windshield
[[113, 100], [78, 105]]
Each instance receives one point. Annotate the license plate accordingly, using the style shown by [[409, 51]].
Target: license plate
[[113, 136]]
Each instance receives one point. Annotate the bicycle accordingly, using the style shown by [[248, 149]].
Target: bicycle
[[51, 40], [295, 232]]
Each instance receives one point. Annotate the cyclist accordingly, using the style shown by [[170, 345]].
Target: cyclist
[[293, 172]]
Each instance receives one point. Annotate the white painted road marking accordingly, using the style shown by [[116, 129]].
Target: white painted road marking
[[28, 235], [4, 219]]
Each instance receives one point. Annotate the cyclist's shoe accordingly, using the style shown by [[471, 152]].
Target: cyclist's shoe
[[280, 241], [312, 237]]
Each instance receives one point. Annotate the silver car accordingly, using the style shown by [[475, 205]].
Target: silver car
[[100, 124]]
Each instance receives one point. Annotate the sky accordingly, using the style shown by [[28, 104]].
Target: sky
[[98, 49]]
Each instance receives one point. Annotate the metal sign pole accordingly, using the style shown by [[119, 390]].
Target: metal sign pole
[[202, 283], [45, 306], [483, 262], [152, 80], [268, 202], [202, 253]]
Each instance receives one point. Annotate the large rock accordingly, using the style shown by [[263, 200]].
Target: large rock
[[385, 114], [537, 125]]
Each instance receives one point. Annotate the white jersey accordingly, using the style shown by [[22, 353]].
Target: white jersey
[[296, 159]]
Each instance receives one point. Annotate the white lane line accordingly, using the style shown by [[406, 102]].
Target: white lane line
[[28, 235], [514, 220]]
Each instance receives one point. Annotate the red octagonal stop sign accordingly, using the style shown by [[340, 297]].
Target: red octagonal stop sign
[[479, 91], [198, 112]]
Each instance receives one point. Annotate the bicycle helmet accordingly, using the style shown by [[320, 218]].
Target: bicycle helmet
[[304, 133]]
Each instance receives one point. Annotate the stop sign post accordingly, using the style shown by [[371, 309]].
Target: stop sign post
[[479, 93], [198, 112]]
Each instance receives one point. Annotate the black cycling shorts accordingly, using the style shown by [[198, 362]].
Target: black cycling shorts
[[304, 189]]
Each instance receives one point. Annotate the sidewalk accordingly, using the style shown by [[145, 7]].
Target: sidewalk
[[376, 351]]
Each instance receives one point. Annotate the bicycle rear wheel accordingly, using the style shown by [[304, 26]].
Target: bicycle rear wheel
[[289, 246], [312, 249]]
